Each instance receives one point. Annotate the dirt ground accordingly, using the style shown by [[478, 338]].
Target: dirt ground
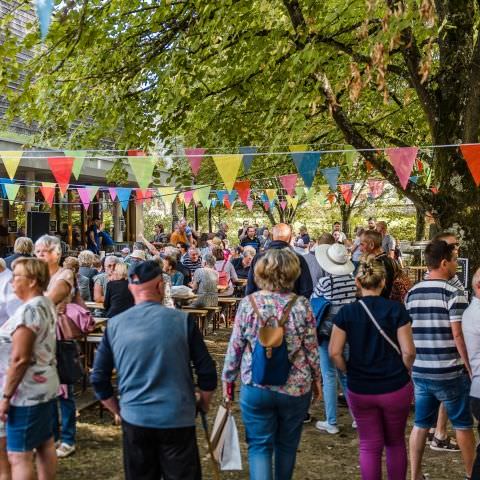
[[320, 456]]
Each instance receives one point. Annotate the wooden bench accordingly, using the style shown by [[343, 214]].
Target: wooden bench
[[229, 304], [200, 315], [215, 311]]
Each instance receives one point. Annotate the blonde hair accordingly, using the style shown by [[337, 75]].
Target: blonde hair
[[36, 269], [371, 272], [72, 264], [121, 271], [277, 270], [23, 245], [86, 258]]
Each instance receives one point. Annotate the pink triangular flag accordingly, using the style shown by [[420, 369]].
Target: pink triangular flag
[[187, 197], [402, 160], [376, 187], [195, 157], [266, 205], [283, 204], [84, 197], [249, 204], [113, 193], [289, 182]]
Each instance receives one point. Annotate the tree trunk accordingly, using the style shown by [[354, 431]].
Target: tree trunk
[[420, 224], [345, 212]]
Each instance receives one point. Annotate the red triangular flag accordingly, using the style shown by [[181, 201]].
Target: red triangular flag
[[195, 157], [289, 182], [243, 190], [419, 165], [346, 189], [402, 160], [331, 197], [61, 168], [142, 195], [471, 154], [136, 153], [48, 191], [368, 166]]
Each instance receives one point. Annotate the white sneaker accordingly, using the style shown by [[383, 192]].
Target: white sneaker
[[326, 427], [65, 450], [354, 424]]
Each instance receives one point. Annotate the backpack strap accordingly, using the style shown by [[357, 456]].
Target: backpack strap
[[223, 266], [255, 307], [286, 312]]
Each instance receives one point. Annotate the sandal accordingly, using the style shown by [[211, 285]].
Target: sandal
[[447, 445]]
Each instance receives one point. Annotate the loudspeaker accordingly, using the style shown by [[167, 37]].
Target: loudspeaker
[[38, 224]]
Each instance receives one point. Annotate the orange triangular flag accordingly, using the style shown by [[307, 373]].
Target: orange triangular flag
[[471, 154]]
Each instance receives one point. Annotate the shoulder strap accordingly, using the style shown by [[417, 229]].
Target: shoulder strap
[[223, 266], [286, 311], [255, 307], [379, 328]]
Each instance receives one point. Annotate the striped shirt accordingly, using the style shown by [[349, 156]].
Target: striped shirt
[[433, 305], [190, 265], [339, 289]]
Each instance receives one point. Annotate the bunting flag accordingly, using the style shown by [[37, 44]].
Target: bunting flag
[[61, 168], [271, 194], [48, 191], [92, 191], [243, 189], [180, 198], [350, 155], [266, 205], [402, 160], [44, 13], [207, 203], [195, 157], [292, 201], [331, 198], [298, 148], [249, 203], [136, 153], [142, 168], [79, 159], [376, 187], [309, 192], [283, 204], [201, 194], [347, 192], [414, 179], [420, 164], [263, 197], [299, 192], [187, 197], [11, 160], [428, 181], [232, 197], [214, 202], [307, 164], [221, 195], [84, 197], [142, 194], [331, 175], [227, 203], [2, 187], [288, 182], [248, 157], [113, 193], [471, 154], [11, 189], [123, 195], [435, 190], [368, 166], [228, 166], [272, 204], [167, 194]]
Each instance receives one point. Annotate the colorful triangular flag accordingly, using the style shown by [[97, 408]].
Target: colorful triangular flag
[[11, 160], [243, 189], [113, 193], [228, 166], [307, 164], [347, 192], [331, 175], [48, 191], [79, 156], [249, 204], [84, 197], [402, 160], [248, 157], [44, 13], [142, 168], [288, 182], [187, 197], [271, 193], [123, 195], [61, 168], [195, 157], [201, 194], [471, 154], [11, 189]]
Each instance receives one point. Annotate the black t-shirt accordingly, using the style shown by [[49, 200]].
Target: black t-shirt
[[373, 366], [117, 297], [240, 269]]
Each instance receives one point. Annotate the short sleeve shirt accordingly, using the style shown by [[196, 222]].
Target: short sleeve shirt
[[66, 275], [40, 382]]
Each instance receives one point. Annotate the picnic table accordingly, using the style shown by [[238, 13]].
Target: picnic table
[[95, 305]]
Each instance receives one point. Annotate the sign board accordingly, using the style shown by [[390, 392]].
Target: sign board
[[462, 271], [122, 224], [53, 226], [12, 226]]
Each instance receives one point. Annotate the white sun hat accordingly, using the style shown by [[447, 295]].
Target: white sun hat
[[334, 259]]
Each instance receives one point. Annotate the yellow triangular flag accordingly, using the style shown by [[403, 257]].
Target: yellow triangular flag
[[298, 148], [228, 166], [271, 193], [167, 194], [292, 201], [11, 160]]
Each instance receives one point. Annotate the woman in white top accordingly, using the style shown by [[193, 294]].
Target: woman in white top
[[28, 374]]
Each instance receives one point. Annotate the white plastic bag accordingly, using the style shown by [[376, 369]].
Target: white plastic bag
[[231, 457]]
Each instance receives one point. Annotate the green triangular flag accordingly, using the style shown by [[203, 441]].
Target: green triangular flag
[[350, 155], [299, 192], [207, 203], [79, 156], [429, 178], [309, 193], [142, 168], [12, 190], [201, 194]]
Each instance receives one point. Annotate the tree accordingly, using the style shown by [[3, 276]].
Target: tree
[[248, 72]]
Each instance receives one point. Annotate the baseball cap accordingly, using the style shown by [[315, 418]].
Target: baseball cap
[[144, 272]]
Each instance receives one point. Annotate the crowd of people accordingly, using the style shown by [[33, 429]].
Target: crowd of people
[[314, 314]]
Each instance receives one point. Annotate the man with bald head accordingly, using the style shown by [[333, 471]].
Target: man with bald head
[[281, 237]]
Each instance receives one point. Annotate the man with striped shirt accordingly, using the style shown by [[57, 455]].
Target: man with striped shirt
[[192, 260], [441, 369]]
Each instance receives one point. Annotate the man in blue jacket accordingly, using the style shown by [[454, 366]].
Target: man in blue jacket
[[282, 235], [152, 348]]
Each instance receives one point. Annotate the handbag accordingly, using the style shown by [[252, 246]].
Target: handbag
[[225, 442], [379, 328], [69, 366]]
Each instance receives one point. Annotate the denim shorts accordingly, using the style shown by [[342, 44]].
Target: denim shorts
[[454, 394], [29, 427]]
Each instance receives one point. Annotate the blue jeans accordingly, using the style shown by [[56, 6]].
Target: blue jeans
[[329, 377], [273, 424], [67, 430]]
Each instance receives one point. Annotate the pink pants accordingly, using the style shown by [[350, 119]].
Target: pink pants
[[381, 421]]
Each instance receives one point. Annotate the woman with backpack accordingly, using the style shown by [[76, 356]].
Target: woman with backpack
[[274, 348], [381, 354], [226, 273]]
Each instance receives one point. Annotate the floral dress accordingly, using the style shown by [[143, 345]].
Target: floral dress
[[300, 335], [40, 381]]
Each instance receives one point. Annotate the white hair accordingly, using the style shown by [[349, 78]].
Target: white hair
[[51, 243], [249, 251]]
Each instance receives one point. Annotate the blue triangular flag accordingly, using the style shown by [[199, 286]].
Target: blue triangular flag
[[331, 174], [414, 179], [232, 196], [306, 163], [214, 202], [264, 198], [44, 13], [123, 195], [2, 181], [221, 194], [248, 156], [272, 204]]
